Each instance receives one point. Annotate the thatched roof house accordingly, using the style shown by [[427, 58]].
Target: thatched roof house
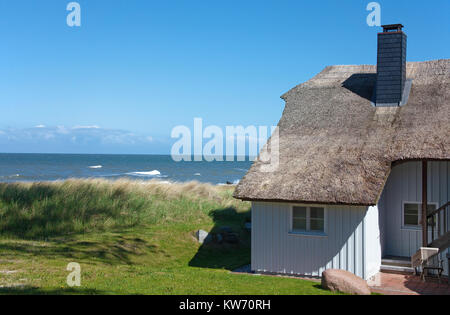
[[335, 147], [359, 169]]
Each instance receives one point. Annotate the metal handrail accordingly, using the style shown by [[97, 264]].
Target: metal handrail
[[438, 210], [437, 213]]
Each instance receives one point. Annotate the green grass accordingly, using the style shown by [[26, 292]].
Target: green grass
[[129, 238]]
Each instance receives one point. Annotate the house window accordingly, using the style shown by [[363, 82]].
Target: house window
[[299, 219], [308, 219], [412, 213]]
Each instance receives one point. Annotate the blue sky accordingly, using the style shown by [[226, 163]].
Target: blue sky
[[136, 69]]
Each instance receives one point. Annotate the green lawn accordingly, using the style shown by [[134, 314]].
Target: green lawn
[[129, 238]]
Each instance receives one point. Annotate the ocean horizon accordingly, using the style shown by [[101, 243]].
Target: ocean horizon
[[42, 167]]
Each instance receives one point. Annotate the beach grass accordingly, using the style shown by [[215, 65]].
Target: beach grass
[[129, 237]]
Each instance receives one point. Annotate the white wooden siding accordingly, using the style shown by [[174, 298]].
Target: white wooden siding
[[405, 184], [275, 249], [352, 242]]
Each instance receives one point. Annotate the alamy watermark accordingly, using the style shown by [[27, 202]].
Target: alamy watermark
[[74, 17], [74, 278], [374, 17], [236, 143]]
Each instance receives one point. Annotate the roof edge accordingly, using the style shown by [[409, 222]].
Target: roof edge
[[306, 202], [327, 68]]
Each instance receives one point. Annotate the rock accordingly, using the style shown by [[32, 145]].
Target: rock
[[344, 281], [228, 236], [203, 237], [231, 238], [225, 230]]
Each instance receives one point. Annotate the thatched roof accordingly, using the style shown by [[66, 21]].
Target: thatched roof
[[335, 147]]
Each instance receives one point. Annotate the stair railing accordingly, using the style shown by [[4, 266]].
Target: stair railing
[[438, 220]]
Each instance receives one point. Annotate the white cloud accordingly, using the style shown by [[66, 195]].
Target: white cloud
[[86, 127], [80, 135]]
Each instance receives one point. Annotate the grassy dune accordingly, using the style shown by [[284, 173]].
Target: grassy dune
[[44, 210], [129, 237]]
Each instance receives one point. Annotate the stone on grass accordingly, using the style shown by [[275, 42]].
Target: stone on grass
[[232, 238], [344, 281], [219, 238], [228, 235], [225, 230], [203, 237]]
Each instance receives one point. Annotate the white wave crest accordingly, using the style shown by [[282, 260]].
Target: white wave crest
[[96, 166], [10, 176], [152, 173]]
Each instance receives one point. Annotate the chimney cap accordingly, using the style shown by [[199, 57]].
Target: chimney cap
[[392, 27]]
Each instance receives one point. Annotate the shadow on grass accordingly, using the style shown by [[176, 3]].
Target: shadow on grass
[[319, 287], [112, 250], [39, 291], [223, 255]]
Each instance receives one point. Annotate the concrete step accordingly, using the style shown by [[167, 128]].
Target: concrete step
[[397, 269], [396, 262]]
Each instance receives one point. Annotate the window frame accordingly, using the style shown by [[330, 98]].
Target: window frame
[[419, 203], [309, 232]]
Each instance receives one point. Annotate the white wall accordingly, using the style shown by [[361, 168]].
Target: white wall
[[405, 184], [351, 241], [373, 242]]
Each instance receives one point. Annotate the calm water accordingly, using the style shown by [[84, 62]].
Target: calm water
[[49, 167]]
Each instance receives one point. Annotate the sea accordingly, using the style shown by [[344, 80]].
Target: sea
[[53, 167]]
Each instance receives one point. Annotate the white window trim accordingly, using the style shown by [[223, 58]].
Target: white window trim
[[308, 233], [414, 227]]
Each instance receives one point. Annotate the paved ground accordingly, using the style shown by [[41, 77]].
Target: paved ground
[[398, 284], [389, 284]]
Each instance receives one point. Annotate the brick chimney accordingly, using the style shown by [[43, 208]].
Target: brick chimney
[[391, 65]]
